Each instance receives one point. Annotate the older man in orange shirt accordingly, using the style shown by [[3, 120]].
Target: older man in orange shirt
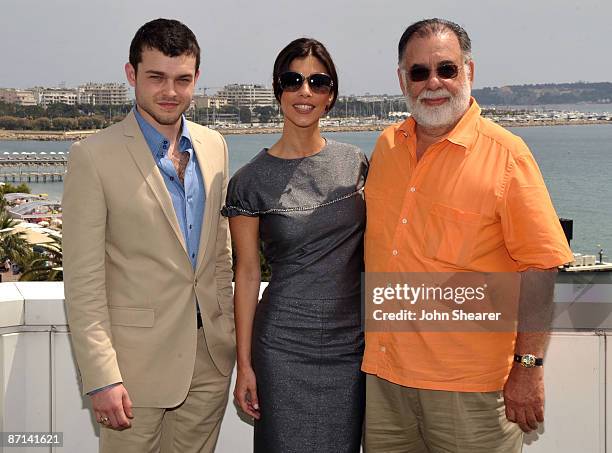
[[449, 191]]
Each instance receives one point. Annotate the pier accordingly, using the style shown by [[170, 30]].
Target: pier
[[33, 167]]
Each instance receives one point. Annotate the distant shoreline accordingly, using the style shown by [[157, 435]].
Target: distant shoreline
[[79, 135]]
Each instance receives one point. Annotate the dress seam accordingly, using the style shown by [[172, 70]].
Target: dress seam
[[296, 209]]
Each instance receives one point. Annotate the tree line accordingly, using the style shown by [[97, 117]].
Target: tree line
[[543, 94], [60, 117]]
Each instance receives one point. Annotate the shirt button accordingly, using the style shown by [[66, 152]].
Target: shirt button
[[190, 226], [160, 155], [193, 256], [383, 349], [395, 252], [171, 178], [404, 221], [413, 189]]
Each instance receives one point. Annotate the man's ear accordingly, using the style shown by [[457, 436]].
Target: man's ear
[[402, 81], [471, 66], [130, 74]]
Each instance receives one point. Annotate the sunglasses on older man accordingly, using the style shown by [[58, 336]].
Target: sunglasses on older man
[[419, 73], [292, 81]]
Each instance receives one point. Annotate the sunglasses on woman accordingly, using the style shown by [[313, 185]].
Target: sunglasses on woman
[[292, 81], [419, 73]]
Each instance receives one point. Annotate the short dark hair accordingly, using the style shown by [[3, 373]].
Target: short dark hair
[[428, 27], [169, 36], [301, 48]]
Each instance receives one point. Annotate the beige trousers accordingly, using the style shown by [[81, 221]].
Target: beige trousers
[[407, 420], [191, 427]]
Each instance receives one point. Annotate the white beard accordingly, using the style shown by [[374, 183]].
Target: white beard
[[444, 115]]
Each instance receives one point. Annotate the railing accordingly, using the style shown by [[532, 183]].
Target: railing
[[39, 389]]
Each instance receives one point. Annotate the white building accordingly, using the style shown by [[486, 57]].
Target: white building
[[247, 95], [209, 102], [19, 97], [46, 96], [90, 93], [103, 94]]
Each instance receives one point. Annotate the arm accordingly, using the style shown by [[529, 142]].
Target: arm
[[245, 232], [524, 389], [84, 237], [535, 240]]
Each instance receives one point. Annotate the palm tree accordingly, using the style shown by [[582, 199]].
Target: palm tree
[[13, 245], [44, 265]]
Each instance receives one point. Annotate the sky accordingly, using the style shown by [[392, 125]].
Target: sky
[[46, 43]]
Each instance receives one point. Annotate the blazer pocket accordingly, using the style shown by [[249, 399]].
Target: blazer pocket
[[132, 317], [451, 234]]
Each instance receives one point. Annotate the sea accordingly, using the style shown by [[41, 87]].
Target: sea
[[575, 160]]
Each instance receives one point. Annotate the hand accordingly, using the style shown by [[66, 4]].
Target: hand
[[524, 397], [245, 392], [115, 405]]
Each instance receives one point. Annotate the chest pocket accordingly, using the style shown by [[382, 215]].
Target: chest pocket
[[451, 234]]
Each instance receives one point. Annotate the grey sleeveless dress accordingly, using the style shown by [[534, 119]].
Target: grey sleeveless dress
[[307, 340]]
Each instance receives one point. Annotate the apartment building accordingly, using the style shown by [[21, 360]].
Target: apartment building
[[46, 96], [103, 93], [15, 96], [247, 95], [209, 102]]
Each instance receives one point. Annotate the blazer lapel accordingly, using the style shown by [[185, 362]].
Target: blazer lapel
[[204, 161], [140, 152]]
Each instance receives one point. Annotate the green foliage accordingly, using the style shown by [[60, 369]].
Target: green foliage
[[44, 264], [60, 117], [266, 272], [245, 115], [13, 245], [265, 113], [65, 124], [228, 109], [10, 188], [542, 94], [42, 124], [7, 187]]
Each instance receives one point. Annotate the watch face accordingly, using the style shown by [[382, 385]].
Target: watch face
[[528, 360]]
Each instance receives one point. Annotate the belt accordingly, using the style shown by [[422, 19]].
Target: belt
[[199, 320]]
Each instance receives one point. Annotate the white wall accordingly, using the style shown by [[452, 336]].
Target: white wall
[[39, 384]]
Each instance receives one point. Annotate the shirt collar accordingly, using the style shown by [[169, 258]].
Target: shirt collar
[[463, 133], [156, 140]]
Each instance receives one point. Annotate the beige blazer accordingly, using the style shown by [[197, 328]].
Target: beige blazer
[[130, 287]]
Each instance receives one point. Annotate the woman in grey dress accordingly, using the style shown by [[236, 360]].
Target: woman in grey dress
[[300, 349]]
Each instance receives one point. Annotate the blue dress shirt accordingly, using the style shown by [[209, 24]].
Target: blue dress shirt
[[189, 199]]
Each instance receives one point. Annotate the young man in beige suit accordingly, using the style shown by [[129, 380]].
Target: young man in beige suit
[[147, 260]]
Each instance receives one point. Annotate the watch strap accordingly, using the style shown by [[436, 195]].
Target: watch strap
[[529, 360]]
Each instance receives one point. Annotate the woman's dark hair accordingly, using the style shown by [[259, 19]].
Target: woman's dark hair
[[301, 48], [169, 36]]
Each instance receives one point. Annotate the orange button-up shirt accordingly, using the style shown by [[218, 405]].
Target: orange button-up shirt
[[475, 201]]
